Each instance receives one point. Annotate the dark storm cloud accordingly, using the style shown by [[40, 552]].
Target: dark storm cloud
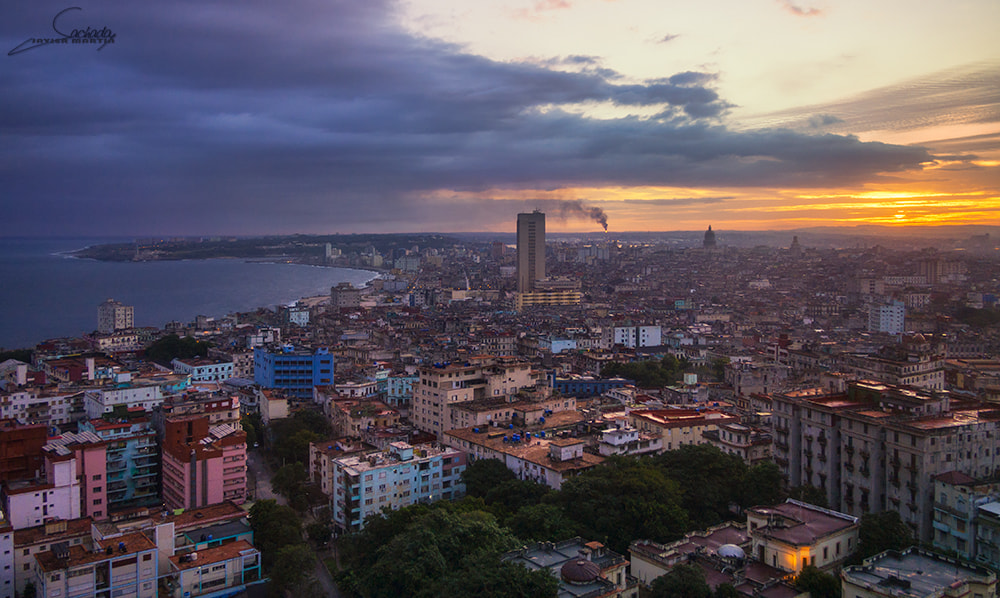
[[250, 117]]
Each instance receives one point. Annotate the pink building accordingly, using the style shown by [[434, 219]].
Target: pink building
[[91, 457], [203, 465]]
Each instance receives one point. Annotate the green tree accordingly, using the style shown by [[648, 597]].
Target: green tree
[[624, 499], [683, 581], [488, 576], [319, 533], [170, 347], [252, 426], [274, 527], [545, 522], [482, 475], [878, 532], [288, 480], [291, 567], [817, 583], [434, 547], [810, 494], [725, 590], [710, 481], [762, 485], [508, 497]]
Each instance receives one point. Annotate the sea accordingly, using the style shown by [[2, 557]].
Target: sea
[[46, 293]]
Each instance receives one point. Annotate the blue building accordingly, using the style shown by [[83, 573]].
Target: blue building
[[294, 371], [399, 391], [585, 386]]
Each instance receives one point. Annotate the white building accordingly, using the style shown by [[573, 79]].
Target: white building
[[634, 336], [887, 318], [31, 503], [113, 315]]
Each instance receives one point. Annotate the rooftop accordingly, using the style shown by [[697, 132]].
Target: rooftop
[[801, 524], [914, 574]]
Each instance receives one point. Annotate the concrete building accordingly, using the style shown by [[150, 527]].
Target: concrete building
[[530, 250], [126, 391], [203, 464], [748, 443], [889, 318], [916, 573], [679, 427], [21, 450], [988, 533], [204, 370], [442, 385], [113, 315], [539, 455], [584, 569], [957, 498], [34, 540], [90, 453], [878, 447], [293, 371], [7, 549], [124, 566], [132, 463], [28, 503], [223, 570], [364, 484], [344, 295], [794, 534], [633, 336]]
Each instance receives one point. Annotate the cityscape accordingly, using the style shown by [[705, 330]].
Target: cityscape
[[838, 408], [519, 299]]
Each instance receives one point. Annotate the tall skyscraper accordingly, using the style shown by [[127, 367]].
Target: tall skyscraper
[[530, 250]]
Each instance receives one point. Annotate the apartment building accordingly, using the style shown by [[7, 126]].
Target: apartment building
[[204, 370], [225, 569], [678, 427], [124, 566], [878, 447], [7, 573], [203, 464], [126, 391], [752, 445], [364, 484], [34, 540], [45, 405], [957, 498], [113, 316], [21, 449], [293, 371], [28, 503], [132, 463], [442, 385]]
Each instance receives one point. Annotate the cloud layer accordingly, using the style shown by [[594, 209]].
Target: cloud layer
[[255, 117]]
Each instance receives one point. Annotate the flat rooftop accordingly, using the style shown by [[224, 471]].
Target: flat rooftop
[[914, 574]]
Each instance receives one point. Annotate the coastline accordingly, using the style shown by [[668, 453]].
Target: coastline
[[50, 296]]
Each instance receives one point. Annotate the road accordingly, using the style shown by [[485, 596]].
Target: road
[[260, 478], [260, 485]]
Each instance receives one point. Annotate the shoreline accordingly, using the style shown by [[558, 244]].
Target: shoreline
[[281, 287]]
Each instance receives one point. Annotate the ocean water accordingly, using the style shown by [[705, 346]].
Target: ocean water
[[46, 294]]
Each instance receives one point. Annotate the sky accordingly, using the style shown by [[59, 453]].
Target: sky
[[341, 116]]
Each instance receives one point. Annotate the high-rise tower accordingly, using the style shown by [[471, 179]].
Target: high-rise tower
[[530, 250]]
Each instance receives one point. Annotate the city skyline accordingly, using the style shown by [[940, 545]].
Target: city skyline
[[432, 115]]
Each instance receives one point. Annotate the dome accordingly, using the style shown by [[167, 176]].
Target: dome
[[580, 571], [731, 551]]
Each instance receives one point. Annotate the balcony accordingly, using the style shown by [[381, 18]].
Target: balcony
[[849, 449]]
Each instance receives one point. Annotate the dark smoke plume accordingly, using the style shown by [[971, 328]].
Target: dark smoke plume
[[574, 207]]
